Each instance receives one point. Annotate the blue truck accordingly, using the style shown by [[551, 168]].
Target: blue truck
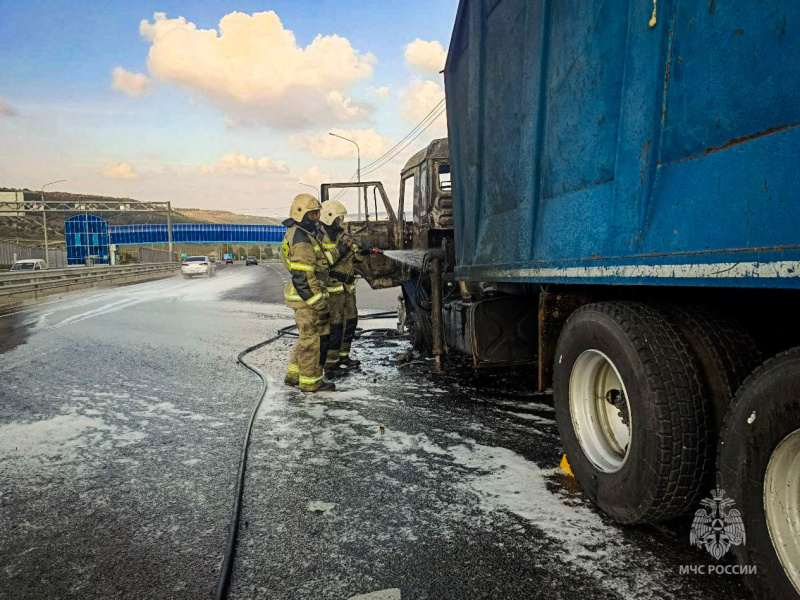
[[617, 209]]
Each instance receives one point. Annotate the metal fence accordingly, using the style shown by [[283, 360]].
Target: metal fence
[[10, 252], [150, 255]]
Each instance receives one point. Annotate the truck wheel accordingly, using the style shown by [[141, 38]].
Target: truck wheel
[[631, 412], [726, 353], [759, 468]]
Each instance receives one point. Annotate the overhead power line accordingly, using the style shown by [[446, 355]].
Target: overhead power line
[[388, 159], [410, 133], [395, 150]]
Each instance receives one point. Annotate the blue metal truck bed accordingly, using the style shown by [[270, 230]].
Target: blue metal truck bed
[[626, 142]]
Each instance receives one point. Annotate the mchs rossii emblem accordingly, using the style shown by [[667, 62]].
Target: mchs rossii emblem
[[718, 526]]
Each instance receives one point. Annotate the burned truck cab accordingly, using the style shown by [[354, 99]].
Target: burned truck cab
[[421, 219], [425, 184]]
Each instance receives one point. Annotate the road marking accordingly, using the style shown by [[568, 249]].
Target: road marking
[[390, 594], [108, 308]]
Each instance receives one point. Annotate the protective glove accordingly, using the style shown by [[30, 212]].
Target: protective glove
[[323, 311]]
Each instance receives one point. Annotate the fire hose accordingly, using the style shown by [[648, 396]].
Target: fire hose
[[223, 584]]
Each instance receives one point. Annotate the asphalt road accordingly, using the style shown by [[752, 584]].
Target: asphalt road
[[121, 416]]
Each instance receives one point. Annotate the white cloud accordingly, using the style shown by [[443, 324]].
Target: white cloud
[[6, 110], [123, 170], [322, 145], [253, 67], [380, 92], [315, 176], [241, 164], [419, 99], [132, 84], [428, 57]]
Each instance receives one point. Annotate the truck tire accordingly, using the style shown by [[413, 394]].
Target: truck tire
[[759, 469], [726, 353], [631, 412]]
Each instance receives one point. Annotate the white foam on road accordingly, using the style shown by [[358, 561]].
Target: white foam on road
[[57, 436], [497, 480]]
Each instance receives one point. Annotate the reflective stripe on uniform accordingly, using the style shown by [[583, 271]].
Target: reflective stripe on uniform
[[329, 257], [310, 380], [330, 245], [335, 289], [295, 266], [293, 369], [293, 297], [314, 299], [343, 353]]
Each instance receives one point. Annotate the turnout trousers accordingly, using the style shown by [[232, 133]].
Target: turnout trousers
[[350, 321], [310, 350], [336, 302]]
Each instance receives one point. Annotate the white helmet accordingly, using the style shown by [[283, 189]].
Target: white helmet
[[302, 204], [332, 210]]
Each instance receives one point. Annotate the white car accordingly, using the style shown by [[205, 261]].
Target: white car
[[29, 264], [198, 265]]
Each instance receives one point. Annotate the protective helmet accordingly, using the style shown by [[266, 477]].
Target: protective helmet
[[302, 204], [331, 210]]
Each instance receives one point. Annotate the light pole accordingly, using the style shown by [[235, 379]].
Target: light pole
[[44, 222], [358, 172], [307, 185], [169, 229], [358, 153]]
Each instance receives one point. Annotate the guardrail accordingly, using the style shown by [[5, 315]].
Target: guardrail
[[26, 287]]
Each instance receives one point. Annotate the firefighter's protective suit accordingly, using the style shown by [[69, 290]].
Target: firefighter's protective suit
[[344, 312], [308, 262]]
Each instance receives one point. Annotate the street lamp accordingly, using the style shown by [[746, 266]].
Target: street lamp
[[358, 151], [358, 172], [44, 222], [307, 185]]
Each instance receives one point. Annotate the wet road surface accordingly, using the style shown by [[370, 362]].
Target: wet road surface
[[121, 415]]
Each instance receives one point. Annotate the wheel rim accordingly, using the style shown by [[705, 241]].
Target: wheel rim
[[782, 504], [601, 413]]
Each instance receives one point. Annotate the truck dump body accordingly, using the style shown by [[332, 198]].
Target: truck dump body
[[605, 142]]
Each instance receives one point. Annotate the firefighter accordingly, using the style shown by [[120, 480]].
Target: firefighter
[[308, 262], [342, 289]]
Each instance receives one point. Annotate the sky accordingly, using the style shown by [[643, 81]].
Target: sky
[[216, 105]]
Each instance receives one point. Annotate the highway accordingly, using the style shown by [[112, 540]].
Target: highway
[[121, 416]]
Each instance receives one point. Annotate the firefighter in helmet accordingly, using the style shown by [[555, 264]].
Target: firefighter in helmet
[[309, 263], [342, 290]]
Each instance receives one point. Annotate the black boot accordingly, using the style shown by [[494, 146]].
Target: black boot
[[335, 372], [349, 363], [326, 386]]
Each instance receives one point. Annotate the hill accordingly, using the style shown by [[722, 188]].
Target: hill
[[224, 216], [28, 229]]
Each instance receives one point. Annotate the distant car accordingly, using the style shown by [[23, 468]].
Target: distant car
[[29, 264], [251, 260], [228, 261], [198, 265]]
